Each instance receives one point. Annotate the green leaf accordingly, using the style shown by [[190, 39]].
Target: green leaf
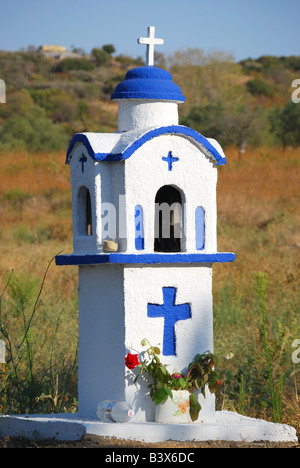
[[159, 396], [213, 382], [175, 384], [169, 392], [195, 407], [182, 382]]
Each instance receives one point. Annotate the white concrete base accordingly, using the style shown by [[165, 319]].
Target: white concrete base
[[227, 426]]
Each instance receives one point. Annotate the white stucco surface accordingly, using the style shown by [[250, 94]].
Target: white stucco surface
[[113, 321], [143, 285], [116, 188], [228, 426], [142, 113]]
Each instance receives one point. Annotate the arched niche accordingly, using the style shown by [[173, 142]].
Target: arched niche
[[168, 227], [84, 215]]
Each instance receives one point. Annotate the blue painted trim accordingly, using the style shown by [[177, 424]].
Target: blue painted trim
[[80, 138], [200, 227], [149, 95], [139, 228], [172, 129], [146, 259]]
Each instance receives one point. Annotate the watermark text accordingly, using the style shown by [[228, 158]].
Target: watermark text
[[168, 220], [296, 353], [296, 94], [2, 92], [2, 352]]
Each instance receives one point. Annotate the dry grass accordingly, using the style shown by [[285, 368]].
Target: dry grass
[[251, 187], [33, 174], [259, 212]]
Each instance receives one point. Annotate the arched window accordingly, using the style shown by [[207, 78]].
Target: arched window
[[200, 227], [84, 214], [168, 220], [139, 228]]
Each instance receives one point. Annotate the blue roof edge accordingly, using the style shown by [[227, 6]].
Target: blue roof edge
[[149, 135], [150, 258]]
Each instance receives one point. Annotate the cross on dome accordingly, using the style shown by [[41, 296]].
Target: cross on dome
[[150, 41]]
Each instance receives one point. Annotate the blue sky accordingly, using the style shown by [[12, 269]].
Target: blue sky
[[246, 28]]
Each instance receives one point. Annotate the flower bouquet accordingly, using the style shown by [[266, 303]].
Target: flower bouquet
[[200, 372]]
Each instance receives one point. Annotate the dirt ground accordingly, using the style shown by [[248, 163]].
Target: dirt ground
[[112, 443]]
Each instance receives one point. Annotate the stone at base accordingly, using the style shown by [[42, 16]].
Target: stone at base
[[228, 426]]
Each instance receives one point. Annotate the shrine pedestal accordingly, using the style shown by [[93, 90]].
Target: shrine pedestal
[[120, 305], [70, 427]]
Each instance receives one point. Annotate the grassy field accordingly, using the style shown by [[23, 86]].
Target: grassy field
[[259, 215], [258, 219]]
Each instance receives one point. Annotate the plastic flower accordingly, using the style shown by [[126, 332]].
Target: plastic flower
[[132, 360]]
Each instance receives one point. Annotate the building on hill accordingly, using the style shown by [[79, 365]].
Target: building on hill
[[57, 51], [52, 50]]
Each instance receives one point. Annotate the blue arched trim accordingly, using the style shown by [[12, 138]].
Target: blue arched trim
[[80, 138], [129, 150]]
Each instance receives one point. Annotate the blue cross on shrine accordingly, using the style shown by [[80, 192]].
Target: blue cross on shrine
[[83, 160], [170, 159], [171, 314]]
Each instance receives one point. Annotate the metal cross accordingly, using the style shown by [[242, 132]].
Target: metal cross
[[150, 41], [170, 159], [171, 313]]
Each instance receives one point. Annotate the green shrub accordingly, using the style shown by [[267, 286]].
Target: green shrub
[[285, 124], [101, 56], [257, 86], [73, 63], [34, 132], [109, 49]]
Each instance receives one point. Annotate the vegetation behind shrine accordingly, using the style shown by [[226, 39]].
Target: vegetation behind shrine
[[247, 107], [242, 103]]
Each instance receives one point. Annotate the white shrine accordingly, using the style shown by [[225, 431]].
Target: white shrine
[[144, 239]]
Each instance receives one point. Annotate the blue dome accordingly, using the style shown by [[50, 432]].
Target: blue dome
[[148, 83]]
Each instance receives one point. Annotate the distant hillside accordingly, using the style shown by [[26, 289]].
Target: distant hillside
[[48, 99]]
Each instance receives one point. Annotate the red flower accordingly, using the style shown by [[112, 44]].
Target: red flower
[[175, 376], [132, 360], [219, 383]]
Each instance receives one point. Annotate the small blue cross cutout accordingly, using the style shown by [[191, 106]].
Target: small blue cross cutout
[[171, 314], [170, 159], [83, 160]]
